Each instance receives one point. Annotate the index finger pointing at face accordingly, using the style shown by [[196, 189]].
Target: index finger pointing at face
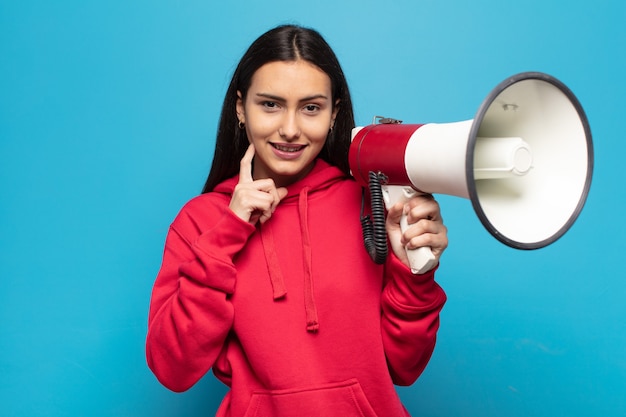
[[245, 167]]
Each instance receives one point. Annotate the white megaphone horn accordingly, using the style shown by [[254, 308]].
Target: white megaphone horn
[[525, 161]]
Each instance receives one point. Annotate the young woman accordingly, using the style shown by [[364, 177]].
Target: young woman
[[265, 279]]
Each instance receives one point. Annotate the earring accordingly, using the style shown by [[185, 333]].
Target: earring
[[241, 125]]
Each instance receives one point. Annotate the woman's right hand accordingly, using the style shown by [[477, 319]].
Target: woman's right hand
[[254, 200]]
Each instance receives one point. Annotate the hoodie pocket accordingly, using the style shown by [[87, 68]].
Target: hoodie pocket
[[344, 399]]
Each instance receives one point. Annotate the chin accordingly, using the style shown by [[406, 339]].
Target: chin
[[291, 174]]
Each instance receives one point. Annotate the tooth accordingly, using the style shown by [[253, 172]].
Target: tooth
[[287, 148]]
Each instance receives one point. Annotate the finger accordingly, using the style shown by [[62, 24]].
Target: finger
[[265, 216], [426, 233], [277, 195], [258, 199], [252, 205], [267, 185], [436, 242], [245, 166], [248, 199], [423, 209]]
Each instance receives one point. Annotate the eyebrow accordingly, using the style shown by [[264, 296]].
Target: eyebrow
[[277, 98]]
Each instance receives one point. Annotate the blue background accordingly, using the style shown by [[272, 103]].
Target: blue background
[[108, 111]]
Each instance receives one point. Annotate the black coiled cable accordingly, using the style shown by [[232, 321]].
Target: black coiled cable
[[373, 227]]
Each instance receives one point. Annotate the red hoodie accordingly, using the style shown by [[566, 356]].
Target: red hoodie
[[292, 314]]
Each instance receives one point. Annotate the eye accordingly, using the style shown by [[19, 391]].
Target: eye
[[270, 105], [311, 108]]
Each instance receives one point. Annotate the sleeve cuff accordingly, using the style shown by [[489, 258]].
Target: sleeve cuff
[[408, 291]]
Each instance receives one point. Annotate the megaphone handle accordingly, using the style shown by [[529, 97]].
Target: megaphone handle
[[420, 259]]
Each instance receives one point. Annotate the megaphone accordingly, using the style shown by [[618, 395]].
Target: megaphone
[[525, 161]]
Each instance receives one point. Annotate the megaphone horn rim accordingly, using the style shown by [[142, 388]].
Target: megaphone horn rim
[[471, 144]]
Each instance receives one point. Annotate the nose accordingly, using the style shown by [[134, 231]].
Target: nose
[[290, 128]]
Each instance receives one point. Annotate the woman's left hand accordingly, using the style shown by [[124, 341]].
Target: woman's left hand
[[426, 227]]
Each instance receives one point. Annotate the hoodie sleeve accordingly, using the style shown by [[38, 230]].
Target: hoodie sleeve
[[410, 320], [190, 310]]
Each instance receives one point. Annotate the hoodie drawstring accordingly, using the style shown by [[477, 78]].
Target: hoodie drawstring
[[273, 266], [312, 323]]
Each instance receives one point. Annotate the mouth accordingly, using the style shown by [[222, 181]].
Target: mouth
[[288, 148]]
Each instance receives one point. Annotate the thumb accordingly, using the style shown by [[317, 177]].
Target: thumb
[[282, 192], [279, 194], [395, 213]]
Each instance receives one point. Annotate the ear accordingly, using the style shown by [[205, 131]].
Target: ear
[[241, 113]]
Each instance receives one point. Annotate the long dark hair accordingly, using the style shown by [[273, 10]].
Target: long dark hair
[[283, 43]]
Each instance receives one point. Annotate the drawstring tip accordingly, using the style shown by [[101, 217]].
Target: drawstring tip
[[279, 294], [312, 327]]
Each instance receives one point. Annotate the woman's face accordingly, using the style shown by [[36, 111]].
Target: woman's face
[[288, 112]]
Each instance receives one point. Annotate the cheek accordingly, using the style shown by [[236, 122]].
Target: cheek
[[318, 131], [259, 128], [320, 138]]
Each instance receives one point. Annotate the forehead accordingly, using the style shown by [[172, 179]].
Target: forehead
[[292, 78]]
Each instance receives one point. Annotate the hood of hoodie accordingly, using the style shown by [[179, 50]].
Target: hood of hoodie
[[322, 176]]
